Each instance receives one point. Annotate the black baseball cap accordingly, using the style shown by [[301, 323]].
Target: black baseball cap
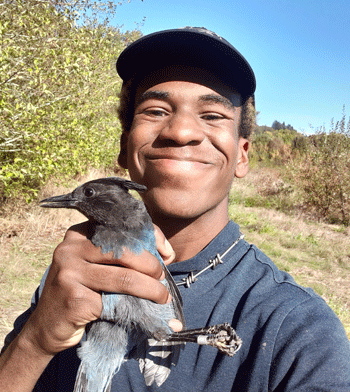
[[192, 46]]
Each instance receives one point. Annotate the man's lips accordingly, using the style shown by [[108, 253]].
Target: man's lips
[[177, 158], [177, 163]]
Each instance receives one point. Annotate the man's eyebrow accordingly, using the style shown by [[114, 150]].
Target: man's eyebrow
[[212, 98], [152, 94], [164, 96]]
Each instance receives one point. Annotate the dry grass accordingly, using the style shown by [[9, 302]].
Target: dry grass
[[27, 243]]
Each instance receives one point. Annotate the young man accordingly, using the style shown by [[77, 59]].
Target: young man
[[187, 110]]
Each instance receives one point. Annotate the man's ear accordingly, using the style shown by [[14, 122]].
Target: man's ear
[[242, 165], [123, 154]]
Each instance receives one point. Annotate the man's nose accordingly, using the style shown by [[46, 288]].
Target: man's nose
[[183, 129]]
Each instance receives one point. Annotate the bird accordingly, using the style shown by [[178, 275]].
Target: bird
[[130, 327]]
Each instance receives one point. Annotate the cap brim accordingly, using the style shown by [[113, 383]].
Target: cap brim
[[187, 47]]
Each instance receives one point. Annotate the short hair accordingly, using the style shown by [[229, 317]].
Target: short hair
[[127, 107], [247, 124]]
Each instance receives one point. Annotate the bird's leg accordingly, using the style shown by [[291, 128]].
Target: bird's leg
[[221, 336]]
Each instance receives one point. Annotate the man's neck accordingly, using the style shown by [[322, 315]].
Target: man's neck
[[189, 236]]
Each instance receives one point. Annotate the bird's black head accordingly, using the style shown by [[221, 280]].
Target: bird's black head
[[105, 200]]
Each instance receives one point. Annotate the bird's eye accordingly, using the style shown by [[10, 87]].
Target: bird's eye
[[88, 192]]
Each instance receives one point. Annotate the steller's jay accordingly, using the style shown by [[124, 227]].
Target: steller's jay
[[130, 327]]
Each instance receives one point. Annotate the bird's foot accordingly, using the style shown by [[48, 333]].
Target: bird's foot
[[221, 336]]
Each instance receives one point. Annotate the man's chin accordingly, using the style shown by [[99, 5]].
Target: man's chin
[[174, 204]]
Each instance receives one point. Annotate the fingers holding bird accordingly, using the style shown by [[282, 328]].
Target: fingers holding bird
[[134, 274], [79, 273], [83, 231]]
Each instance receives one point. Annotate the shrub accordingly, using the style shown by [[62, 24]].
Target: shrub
[[323, 173]]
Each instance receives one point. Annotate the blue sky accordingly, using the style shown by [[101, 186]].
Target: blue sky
[[299, 50]]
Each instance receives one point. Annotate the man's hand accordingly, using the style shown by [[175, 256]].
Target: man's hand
[[71, 297]]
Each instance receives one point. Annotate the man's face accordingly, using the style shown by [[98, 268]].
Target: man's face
[[184, 146]]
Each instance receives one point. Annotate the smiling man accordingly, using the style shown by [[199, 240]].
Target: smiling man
[[183, 144], [187, 110]]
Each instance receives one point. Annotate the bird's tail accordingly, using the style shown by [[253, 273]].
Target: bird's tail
[[101, 357], [82, 383]]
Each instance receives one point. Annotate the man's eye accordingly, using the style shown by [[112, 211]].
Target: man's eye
[[212, 116], [155, 112]]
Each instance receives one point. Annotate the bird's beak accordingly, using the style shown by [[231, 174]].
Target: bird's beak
[[62, 201]]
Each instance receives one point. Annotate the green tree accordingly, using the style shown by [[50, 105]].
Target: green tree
[[271, 146], [58, 90]]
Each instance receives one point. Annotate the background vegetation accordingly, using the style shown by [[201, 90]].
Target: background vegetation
[[314, 170]]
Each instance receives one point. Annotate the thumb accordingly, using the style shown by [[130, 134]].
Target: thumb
[[163, 246]]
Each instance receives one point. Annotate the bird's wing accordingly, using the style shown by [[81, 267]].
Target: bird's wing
[[159, 357], [175, 293]]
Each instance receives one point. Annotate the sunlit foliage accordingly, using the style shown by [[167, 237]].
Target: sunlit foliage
[[58, 90]]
